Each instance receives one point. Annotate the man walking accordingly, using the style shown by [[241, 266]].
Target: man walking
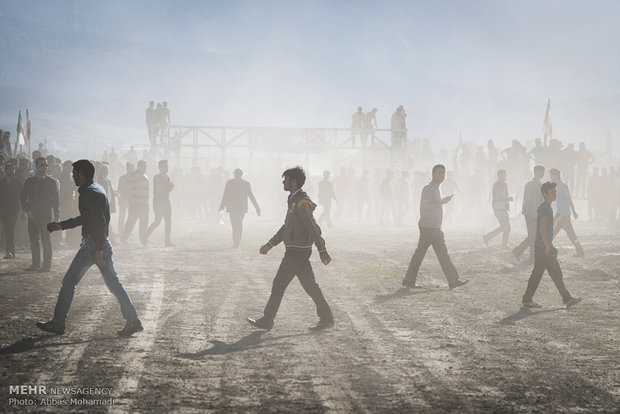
[[545, 255], [162, 186], [299, 231], [431, 215], [501, 204], [564, 205], [39, 200], [139, 185], [532, 199], [95, 249], [235, 200]]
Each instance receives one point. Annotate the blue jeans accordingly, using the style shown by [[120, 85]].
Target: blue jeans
[[83, 260]]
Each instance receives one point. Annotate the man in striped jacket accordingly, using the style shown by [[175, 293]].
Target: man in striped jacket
[[298, 233]]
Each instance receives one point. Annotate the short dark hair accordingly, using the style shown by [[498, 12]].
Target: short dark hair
[[547, 186], [86, 167], [439, 166], [297, 173], [538, 168], [162, 162], [39, 159]]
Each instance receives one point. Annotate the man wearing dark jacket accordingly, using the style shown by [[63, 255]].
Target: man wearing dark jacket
[[39, 200], [298, 233], [10, 191], [235, 200], [95, 249]]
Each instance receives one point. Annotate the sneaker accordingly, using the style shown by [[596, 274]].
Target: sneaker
[[31, 268], [573, 302], [531, 304], [10, 256], [131, 328], [45, 269], [457, 283], [323, 324], [411, 285], [51, 327], [260, 323]]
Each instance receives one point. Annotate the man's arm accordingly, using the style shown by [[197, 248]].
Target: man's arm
[[253, 199], [25, 196], [543, 233], [55, 200], [225, 196], [572, 206], [303, 207]]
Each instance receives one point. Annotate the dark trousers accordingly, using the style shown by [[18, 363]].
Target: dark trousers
[[163, 211], [236, 221], [435, 238], [504, 227], [530, 224], [549, 262], [137, 212], [296, 263], [9, 218], [37, 229]]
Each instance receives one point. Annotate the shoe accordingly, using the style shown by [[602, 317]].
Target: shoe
[[10, 256], [411, 285], [457, 283], [51, 327], [130, 329], [323, 324], [260, 323], [31, 268], [45, 269], [531, 304], [573, 302]]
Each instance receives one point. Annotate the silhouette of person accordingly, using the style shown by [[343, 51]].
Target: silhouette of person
[[235, 200], [162, 186], [584, 159], [402, 197], [10, 195], [39, 200], [165, 121], [150, 121], [370, 124], [139, 186], [564, 205], [131, 156], [431, 214], [532, 198], [95, 249], [298, 233], [358, 123], [545, 257], [326, 195], [158, 122], [501, 204], [398, 125], [124, 194]]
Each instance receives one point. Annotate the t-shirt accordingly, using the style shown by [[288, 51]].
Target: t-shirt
[[561, 202], [544, 210], [431, 218]]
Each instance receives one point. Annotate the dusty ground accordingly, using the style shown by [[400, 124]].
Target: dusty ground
[[468, 350]]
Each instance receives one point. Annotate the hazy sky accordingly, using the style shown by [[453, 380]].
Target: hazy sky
[[339, 54]]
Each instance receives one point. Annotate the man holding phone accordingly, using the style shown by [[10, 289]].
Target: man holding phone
[[431, 215]]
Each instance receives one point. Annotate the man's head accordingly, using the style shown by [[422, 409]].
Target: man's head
[[9, 169], [151, 104], [83, 172], [104, 170], [40, 166], [294, 179], [582, 146], [501, 175], [537, 142], [439, 173], [549, 191], [539, 171], [555, 175], [326, 174], [141, 167], [129, 167], [238, 173], [163, 166], [36, 154], [359, 109]]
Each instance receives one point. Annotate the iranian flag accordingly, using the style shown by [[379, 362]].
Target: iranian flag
[[547, 125], [28, 130], [21, 138]]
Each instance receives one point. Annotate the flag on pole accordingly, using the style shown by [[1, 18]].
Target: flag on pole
[[21, 139], [547, 130], [28, 130]]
